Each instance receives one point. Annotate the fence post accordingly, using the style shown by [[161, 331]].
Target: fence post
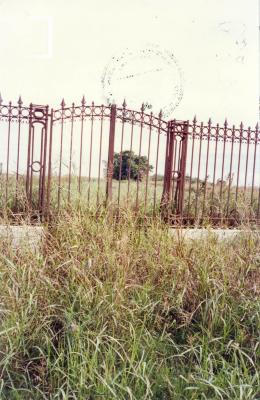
[[181, 183], [110, 160], [167, 185]]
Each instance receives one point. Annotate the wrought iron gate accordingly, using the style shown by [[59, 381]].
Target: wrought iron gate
[[175, 167], [85, 155], [37, 157]]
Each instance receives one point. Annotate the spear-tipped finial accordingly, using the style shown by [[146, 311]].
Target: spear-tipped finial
[[210, 122], [194, 120], [257, 127], [124, 104], [1, 100], [160, 114], [62, 103], [92, 103], [20, 101], [83, 101], [142, 107], [225, 123], [241, 125]]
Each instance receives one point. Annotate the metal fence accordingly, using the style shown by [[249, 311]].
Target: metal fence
[[97, 155]]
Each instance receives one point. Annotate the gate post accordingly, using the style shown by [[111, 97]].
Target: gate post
[[181, 183], [167, 184], [110, 160]]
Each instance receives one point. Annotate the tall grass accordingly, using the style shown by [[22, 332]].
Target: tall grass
[[118, 311]]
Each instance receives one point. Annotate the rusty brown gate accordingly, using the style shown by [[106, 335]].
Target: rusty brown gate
[[92, 155]]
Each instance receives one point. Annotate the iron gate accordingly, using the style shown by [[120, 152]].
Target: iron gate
[[94, 155]]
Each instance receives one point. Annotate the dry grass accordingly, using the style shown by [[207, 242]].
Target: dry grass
[[118, 311]]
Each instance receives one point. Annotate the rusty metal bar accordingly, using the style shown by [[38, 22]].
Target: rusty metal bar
[[47, 210], [194, 122], [71, 145], [83, 102], [148, 166], [110, 160], [139, 155], [183, 161], [230, 168], [130, 160], [61, 150], [167, 188], [90, 151], [8, 153], [198, 173], [156, 164], [100, 151], [239, 158], [254, 164], [43, 162], [121, 151], [207, 165]]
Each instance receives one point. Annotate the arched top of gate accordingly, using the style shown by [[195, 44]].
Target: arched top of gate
[[123, 114]]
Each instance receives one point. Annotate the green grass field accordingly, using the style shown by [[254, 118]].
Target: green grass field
[[227, 204], [117, 311]]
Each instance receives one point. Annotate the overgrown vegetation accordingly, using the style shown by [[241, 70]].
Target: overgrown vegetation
[[113, 310], [128, 165]]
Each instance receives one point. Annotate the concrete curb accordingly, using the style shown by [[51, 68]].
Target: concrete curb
[[220, 234], [22, 235]]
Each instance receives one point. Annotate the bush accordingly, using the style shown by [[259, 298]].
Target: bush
[[129, 165]]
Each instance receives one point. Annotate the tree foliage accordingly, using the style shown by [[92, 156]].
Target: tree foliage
[[133, 166]]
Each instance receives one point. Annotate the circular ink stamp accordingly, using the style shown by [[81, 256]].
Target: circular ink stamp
[[149, 76]]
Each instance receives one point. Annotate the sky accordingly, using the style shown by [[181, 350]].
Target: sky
[[184, 56]]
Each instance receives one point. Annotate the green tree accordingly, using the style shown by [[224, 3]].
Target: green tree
[[133, 166]]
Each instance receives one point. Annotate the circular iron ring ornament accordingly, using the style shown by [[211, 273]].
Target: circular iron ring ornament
[[33, 168], [149, 76]]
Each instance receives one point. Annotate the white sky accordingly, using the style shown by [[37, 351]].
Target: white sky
[[59, 48]]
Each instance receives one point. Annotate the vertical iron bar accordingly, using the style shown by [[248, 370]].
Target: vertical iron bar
[[254, 163], [81, 141], [214, 169], [43, 163], [148, 161], [18, 149], [247, 153], [181, 189], [139, 155], [8, 151], [28, 172], [71, 144], [100, 151], [206, 172], [167, 189], [31, 177], [121, 153], [130, 160], [61, 150], [239, 157], [90, 150], [156, 165], [175, 169], [47, 210], [230, 169], [222, 169], [110, 160], [40, 172], [198, 177], [191, 164]]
